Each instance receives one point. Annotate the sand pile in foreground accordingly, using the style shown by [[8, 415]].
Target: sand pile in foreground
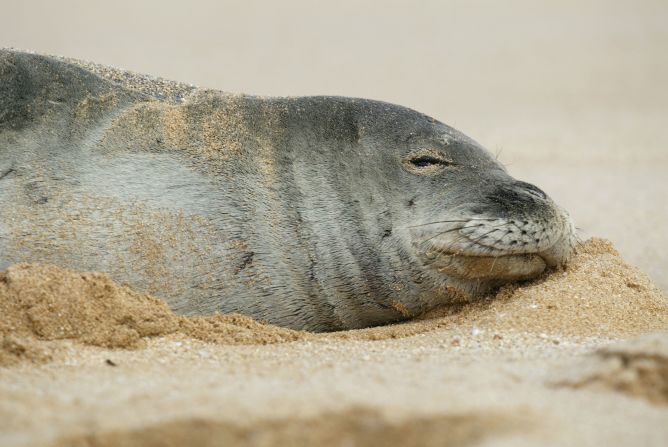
[[598, 294], [45, 302], [577, 357]]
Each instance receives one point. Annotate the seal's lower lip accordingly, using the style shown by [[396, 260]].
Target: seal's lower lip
[[502, 268]]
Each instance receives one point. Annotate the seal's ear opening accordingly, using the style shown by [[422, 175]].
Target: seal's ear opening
[[425, 162]]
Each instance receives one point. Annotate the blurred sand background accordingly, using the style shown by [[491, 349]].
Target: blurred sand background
[[572, 95]]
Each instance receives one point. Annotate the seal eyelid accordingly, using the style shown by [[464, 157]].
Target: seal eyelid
[[423, 161], [426, 162]]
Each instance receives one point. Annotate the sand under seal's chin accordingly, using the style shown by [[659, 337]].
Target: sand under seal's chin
[[493, 268]]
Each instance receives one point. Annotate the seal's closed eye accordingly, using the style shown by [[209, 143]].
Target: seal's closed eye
[[426, 161]]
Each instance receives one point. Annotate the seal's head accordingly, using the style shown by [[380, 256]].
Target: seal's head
[[469, 224]]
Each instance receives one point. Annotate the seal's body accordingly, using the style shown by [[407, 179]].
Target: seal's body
[[318, 213]]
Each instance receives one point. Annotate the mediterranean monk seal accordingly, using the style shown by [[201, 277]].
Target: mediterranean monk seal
[[315, 213]]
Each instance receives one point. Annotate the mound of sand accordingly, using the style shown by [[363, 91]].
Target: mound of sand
[[45, 302], [89, 362], [597, 295]]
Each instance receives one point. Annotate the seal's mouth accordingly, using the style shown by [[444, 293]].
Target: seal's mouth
[[495, 250], [502, 268], [464, 261]]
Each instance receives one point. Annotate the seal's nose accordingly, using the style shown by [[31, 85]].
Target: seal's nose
[[515, 194]]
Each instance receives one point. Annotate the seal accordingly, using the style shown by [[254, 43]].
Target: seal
[[315, 213]]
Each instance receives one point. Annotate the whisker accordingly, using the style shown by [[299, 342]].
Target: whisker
[[450, 221], [475, 242], [471, 243], [492, 267], [443, 232], [449, 247]]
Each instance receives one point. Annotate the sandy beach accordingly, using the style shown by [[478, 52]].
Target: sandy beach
[[570, 95], [540, 363]]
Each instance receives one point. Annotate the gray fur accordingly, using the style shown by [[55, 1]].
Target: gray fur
[[318, 213]]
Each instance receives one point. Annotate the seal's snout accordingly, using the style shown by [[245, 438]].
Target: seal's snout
[[512, 231], [522, 218], [516, 196]]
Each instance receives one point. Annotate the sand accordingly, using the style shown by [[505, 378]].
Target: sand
[[596, 294], [88, 362], [44, 302], [572, 97]]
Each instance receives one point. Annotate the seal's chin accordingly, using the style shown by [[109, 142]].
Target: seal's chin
[[498, 269]]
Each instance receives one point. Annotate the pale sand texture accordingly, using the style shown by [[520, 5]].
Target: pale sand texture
[[518, 369], [572, 94]]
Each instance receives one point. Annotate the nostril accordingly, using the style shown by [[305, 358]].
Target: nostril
[[532, 189]]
